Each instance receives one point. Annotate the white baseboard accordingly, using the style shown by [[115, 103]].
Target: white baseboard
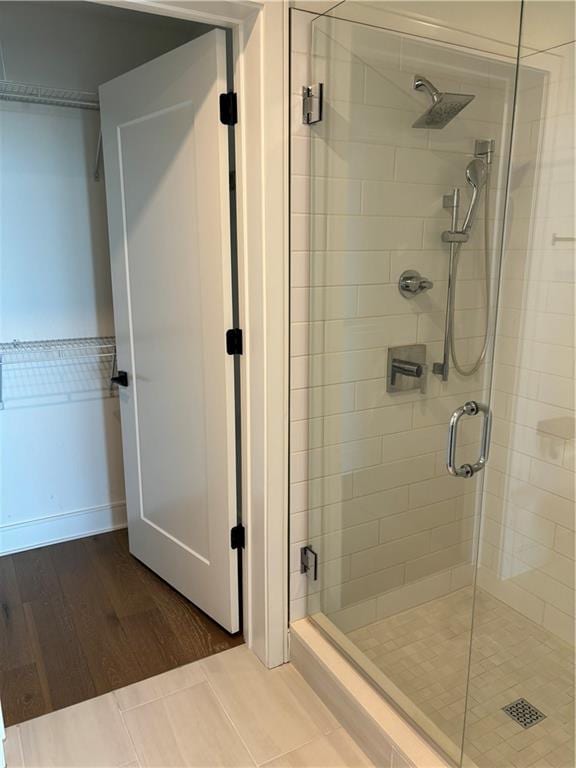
[[74, 524]]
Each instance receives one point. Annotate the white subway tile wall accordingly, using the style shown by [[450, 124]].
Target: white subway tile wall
[[527, 545], [369, 489]]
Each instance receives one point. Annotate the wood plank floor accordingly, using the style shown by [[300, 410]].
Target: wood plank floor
[[83, 618]]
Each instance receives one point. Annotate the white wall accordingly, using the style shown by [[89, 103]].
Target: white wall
[[60, 433], [61, 473], [527, 553], [368, 482]]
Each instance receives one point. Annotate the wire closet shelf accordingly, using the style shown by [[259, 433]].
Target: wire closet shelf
[[42, 94], [20, 355], [57, 350]]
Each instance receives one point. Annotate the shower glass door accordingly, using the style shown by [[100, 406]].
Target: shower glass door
[[396, 535]]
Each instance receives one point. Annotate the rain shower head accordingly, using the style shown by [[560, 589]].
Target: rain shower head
[[445, 106]]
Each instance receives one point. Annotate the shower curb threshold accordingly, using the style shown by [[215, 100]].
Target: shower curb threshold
[[379, 729]]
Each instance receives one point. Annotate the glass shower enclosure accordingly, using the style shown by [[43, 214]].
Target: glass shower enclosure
[[425, 528]]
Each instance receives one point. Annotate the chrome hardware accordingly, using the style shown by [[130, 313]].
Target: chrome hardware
[[412, 283], [407, 369], [422, 83], [478, 178], [524, 713], [455, 206], [444, 107], [557, 239], [312, 103], [471, 408], [455, 237], [452, 201], [441, 369], [484, 148]]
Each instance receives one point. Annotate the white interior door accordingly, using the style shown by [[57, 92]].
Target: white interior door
[[166, 163]]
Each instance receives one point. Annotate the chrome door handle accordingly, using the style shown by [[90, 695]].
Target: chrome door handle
[[471, 408]]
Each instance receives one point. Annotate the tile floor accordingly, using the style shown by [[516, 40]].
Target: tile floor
[[227, 710], [424, 651]]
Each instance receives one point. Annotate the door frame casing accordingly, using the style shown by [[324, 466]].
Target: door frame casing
[[261, 61]]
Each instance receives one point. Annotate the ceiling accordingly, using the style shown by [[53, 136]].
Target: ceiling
[[80, 45], [488, 25]]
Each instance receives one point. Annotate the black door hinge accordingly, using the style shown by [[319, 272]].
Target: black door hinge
[[238, 537], [234, 341], [228, 108]]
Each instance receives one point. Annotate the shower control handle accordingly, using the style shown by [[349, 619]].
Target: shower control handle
[[406, 368], [412, 284], [471, 408], [413, 370]]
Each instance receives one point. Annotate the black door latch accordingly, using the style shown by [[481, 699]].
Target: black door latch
[[121, 379]]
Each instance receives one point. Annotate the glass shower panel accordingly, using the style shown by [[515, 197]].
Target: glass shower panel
[[392, 247], [521, 694]]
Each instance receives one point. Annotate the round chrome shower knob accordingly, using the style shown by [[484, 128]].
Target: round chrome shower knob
[[412, 284]]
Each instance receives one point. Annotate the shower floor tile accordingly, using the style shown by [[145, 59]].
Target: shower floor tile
[[424, 651]]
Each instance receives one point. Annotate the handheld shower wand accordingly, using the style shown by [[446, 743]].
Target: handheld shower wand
[[478, 177]]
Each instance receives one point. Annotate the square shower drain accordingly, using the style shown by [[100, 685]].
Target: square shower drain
[[524, 713]]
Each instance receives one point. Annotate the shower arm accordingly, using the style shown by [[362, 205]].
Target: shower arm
[[422, 83]]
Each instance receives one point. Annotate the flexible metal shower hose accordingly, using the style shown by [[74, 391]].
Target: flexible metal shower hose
[[470, 371]]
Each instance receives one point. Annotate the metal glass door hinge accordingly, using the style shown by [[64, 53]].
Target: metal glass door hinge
[[312, 103], [309, 561]]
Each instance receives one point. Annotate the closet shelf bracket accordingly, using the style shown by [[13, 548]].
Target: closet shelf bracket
[[98, 161]]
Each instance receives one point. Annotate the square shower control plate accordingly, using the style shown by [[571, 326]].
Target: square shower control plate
[[411, 353]]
